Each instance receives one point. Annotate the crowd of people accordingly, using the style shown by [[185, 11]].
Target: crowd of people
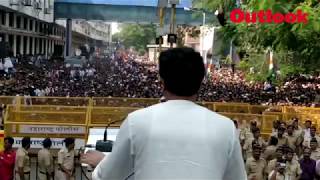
[[117, 77], [291, 152], [16, 164]]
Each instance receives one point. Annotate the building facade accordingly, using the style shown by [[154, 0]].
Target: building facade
[[91, 34], [28, 27]]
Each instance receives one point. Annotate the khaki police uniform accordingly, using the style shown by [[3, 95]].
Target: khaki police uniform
[[292, 141], [298, 132], [247, 147], [255, 168], [45, 164], [271, 165], [293, 170], [282, 141], [22, 161], [66, 160], [270, 153]]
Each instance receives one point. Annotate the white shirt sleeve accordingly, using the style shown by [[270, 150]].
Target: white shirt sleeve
[[271, 174], [120, 163], [235, 167]]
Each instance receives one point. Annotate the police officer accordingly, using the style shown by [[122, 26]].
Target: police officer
[[45, 161], [66, 161], [22, 165]]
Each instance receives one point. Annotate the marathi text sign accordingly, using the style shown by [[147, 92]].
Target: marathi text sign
[[39, 129], [57, 143]]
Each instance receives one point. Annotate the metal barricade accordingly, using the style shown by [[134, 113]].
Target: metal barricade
[[123, 102]]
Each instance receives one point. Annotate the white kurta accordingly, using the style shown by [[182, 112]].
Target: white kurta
[[171, 141]]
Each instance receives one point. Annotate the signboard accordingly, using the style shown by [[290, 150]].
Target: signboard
[[40, 129], [57, 143], [1, 140]]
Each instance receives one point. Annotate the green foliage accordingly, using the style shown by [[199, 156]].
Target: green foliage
[[297, 46], [136, 36]]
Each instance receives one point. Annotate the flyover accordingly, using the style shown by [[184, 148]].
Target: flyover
[[125, 11]]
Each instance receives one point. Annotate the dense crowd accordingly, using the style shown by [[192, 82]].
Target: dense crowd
[[116, 77], [291, 152], [227, 86]]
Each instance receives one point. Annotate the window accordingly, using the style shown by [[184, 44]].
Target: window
[[18, 22], [31, 25], [3, 18], [11, 19], [25, 23], [40, 28], [36, 26]]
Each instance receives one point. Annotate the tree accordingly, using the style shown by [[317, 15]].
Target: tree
[[296, 46], [136, 36]]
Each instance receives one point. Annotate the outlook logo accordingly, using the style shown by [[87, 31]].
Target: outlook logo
[[239, 16]]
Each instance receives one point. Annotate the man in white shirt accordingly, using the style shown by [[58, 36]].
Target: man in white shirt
[[177, 139]]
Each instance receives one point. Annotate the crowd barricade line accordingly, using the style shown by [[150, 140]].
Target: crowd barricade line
[[100, 111]]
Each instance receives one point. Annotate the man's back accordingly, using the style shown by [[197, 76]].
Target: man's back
[[175, 140]]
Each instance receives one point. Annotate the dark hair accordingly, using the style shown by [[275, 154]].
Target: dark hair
[[26, 141], [313, 140], [235, 122], [273, 141], [290, 150], [308, 121], [182, 70], [255, 130], [256, 147], [47, 143], [280, 148], [313, 127], [253, 123], [289, 126], [9, 139], [69, 141]]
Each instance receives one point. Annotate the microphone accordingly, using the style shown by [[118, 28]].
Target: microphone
[[106, 145]]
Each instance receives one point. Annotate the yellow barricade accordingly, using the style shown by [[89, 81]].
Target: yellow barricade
[[123, 102], [231, 107], [305, 110], [102, 116], [264, 121], [7, 100], [1, 140], [39, 123], [58, 101], [257, 109], [100, 111], [50, 108]]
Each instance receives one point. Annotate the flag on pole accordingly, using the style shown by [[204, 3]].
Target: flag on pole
[[271, 64]]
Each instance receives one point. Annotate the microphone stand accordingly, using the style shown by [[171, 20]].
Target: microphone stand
[[105, 145]]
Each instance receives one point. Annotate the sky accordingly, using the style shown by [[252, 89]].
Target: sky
[[114, 27]]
